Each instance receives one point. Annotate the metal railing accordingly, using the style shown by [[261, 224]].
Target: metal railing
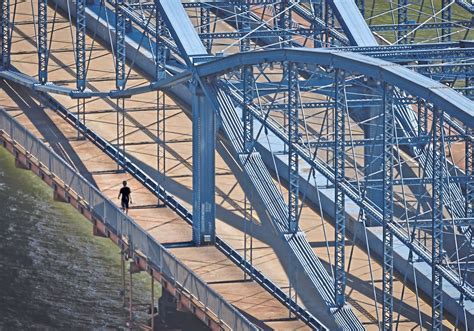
[[125, 228]]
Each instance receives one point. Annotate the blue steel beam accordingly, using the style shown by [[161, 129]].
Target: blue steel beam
[[247, 78], [5, 33], [43, 41], [437, 218], [446, 16], [206, 27], [120, 52], [387, 211], [353, 22], [81, 58], [402, 19], [204, 141], [339, 196], [450, 101], [293, 136], [80, 45]]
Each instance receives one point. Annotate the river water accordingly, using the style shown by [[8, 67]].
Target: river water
[[53, 272]]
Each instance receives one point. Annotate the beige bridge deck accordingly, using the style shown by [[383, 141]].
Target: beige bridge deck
[[163, 224]]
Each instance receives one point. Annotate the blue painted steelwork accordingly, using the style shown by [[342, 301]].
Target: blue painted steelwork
[[42, 44], [120, 55], [387, 211], [191, 50], [178, 208], [81, 58], [206, 27], [469, 167], [446, 16], [413, 83], [437, 214], [402, 19], [204, 141], [340, 110], [248, 79], [5, 33], [353, 22], [293, 136], [80, 45]]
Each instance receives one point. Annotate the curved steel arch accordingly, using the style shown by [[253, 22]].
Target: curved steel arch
[[440, 95]]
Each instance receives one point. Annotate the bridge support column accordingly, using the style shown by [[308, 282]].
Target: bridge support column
[[204, 139], [373, 158], [5, 32]]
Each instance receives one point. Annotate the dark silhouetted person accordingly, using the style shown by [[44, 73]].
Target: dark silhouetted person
[[126, 195]]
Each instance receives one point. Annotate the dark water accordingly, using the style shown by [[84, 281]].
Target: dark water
[[53, 272]]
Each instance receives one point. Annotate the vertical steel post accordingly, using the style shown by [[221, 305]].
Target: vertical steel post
[[402, 15], [388, 162], [469, 203], [80, 45], [446, 16], [43, 41], [437, 218], [5, 32], [206, 26], [204, 139], [160, 73], [248, 79], [120, 75], [318, 35], [283, 22], [339, 197], [119, 45], [293, 137], [80, 59]]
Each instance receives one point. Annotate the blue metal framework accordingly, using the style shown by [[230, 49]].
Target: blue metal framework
[[120, 54], [81, 45], [340, 110], [204, 140], [43, 54], [446, 16], [206, 26], [402, 15], [388, 167], [5, 33], [306, 102], [437, 211], [293, 136], [81, 69]]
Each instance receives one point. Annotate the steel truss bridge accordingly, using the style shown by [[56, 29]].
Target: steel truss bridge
[[360, 110]]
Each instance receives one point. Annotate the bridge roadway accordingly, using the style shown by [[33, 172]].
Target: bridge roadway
[[163, 224]]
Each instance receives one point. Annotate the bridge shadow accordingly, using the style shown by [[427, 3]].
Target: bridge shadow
[[31, 108]]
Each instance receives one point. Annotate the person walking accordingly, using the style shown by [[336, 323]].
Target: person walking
[[126, 194]]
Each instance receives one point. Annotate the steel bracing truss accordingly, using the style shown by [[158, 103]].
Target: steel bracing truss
[[361, 111]]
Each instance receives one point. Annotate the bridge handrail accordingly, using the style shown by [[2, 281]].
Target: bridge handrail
[[124, 227]]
